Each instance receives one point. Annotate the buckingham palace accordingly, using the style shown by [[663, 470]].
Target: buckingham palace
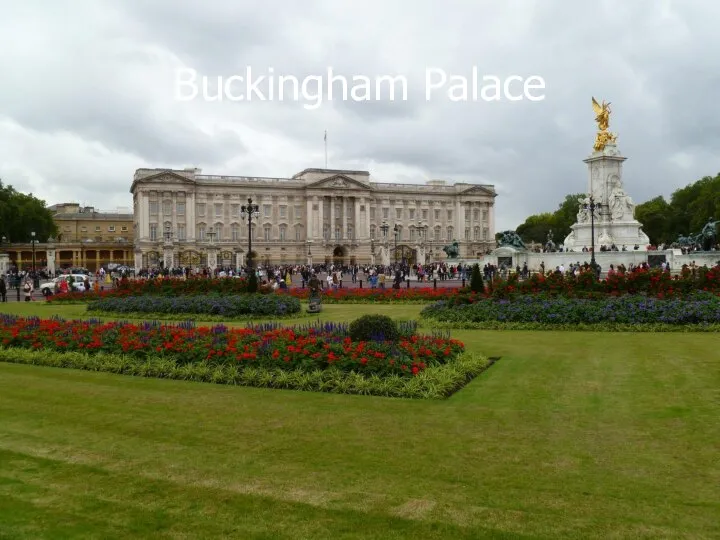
[[186, 218]]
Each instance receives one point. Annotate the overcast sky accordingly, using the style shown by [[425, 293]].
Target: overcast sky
[[88, 93]]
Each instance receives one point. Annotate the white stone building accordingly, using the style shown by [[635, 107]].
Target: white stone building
[[185, 218]]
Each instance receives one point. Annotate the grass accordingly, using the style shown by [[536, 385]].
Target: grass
[[569, 435]]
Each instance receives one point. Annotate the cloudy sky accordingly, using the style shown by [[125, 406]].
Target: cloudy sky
[[89, 93]]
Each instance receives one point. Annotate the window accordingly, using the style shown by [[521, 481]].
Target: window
[[436, 233], [476, 214], [180, 209], [372, 232], [153, 231], [83, 229], [437, 215], [412, 213], [372, 213], [97, 229], [282, 230], [266, 233], [111, 228], [181, 232], [412, 233], [235, 210], [218, 210], [283, 212], [326, 231], [386, 213], [267, 210], [350, 232], [450, 232], [337, 233], [201, 209], [424, 214], [449, 214], [476, 233], [398, 213], [123, 229], [153, 208], [201, 233], [485, 234], [235, 232], [298, 233], [467, 234], [485, 215], [298, 212], [218, 232], [167, 208]]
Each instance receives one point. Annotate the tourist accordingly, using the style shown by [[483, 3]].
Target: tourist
[[3, 289], [28, 290]]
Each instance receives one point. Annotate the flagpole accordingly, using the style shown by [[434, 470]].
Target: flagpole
[[326, 149]]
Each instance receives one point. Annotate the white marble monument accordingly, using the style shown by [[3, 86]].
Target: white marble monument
[[614, 220]]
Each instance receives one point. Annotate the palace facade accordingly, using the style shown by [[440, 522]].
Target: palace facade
[[186, 218]]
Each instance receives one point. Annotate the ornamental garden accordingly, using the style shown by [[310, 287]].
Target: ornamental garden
[[559, 406]]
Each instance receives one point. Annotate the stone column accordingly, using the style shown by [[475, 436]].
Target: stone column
[[366, 217], [459, 222], [332, 218], [310, 231], [190, 222], [321, 217], [357, 230], [344, 229], [144, 217]]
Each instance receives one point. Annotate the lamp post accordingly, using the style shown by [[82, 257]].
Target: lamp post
[[396, 229], [32, 234], [250, 211], [385, 228], [592, 205]]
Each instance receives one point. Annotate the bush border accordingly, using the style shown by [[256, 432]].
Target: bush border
[[430, 322], [437, 383]]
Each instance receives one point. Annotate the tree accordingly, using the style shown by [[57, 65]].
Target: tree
[[655, 218], [21, 214], [476, 280], [536, 227]]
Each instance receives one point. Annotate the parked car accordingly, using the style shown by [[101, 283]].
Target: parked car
[[77, 281]]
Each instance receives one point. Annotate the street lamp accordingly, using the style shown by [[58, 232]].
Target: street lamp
[[33, 251], [396, 229], [592, 205], [250, 211]]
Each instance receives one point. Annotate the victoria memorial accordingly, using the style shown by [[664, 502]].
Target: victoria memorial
[[186, 218]]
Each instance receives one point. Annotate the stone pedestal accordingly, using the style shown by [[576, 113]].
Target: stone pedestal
[[50, 260], [168, 256], [4, 263], [212, 258], [614, 217], [138, 261]]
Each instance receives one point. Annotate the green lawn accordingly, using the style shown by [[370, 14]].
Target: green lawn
[[569, 435]]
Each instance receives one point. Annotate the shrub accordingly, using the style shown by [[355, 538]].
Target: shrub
[[374, 328], [700, 308], [228, 306], [476, 280]]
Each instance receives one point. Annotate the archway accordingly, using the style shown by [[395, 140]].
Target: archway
[[339, 254]]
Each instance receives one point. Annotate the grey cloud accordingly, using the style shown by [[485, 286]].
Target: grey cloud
[[655, 60]]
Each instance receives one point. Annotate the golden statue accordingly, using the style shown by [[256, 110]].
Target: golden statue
[[602, 117]]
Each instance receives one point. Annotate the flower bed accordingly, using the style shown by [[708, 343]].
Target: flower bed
[[700, 308], [648, 282], [316, 357], [369, 296], [227, 306]]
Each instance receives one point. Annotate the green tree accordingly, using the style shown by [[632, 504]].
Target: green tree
[[655, 218], [21, 214], [476, 280], [536, 227]]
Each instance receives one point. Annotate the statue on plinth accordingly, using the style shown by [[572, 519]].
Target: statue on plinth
[[315, 303], [708, 235], [512, 239], [602, 117], [620, 202], [453, 250]]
